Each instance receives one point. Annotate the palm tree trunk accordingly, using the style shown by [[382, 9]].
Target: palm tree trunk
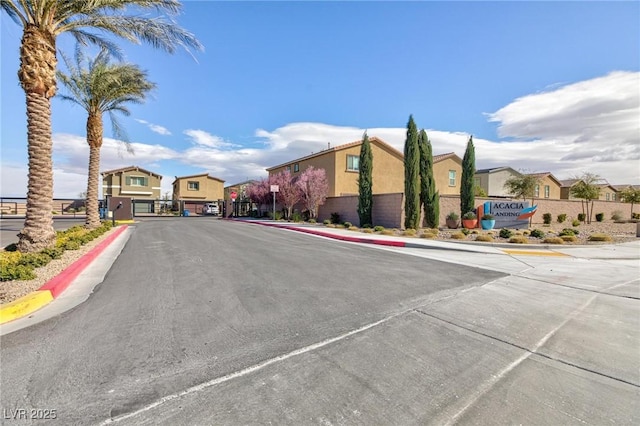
[[94, 139], [37, 78]]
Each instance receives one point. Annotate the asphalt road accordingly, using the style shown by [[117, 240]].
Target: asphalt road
[[10, 227], [201, 321]]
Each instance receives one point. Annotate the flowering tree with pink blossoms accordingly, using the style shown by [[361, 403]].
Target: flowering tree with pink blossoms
[[314, 188], [259, 193], [289, 193]]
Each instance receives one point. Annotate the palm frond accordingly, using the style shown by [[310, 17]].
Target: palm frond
[[13, 12]]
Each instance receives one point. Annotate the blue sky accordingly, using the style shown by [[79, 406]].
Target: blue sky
[[542, 86]]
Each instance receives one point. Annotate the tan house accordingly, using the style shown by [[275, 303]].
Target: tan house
[[192, 192], [548, 186], [341, 164], [492, 180], [607, 192], [132, 182]]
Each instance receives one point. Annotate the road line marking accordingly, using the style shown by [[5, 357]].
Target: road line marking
[[251, 369], [534, 253]]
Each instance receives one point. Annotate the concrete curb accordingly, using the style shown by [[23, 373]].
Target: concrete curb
[[30, 303]]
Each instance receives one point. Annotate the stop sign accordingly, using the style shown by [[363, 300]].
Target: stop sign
[[233, 195]]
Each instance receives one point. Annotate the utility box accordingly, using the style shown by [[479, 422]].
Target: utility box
[[122, 213]]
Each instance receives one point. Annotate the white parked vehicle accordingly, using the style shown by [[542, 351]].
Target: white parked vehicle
[[211, 208]]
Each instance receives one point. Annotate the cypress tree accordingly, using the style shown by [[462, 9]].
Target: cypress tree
[[411, 177], [467, 193], [429, 197], [365, 183]]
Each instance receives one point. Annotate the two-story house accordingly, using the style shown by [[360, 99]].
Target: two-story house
[[192, 192], [341, 165], [548, 186], [142, 186], [492, 180]]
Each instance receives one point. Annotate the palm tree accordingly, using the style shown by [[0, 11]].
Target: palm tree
[[99, 88], [42, 22]]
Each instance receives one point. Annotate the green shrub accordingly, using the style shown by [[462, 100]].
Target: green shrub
[[635, 215], [525, 233], [11, 247], [409, 232], [616, 215], [537, 233], [326, 221], [569, 238], [465, 231], [428, 235], [600, 237], [34, 260], [568, 231], [519, 239], [296, 217], [378, 228], [553, 240], [546, 218], [458, 236], [576, 222], [72, 245], [599, 217], [347, 225], [562, 217], [16, 272], [484, 238], [505, 233], [366, 225], [335, 217], [312, 220], [581, 217], [53, 252]]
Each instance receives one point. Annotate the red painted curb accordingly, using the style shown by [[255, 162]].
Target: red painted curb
[[333, 236], [60, 282]]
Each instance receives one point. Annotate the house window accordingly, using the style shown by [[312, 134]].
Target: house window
[[607, 196], [136, 181], [353, 163], [193, 185], [613, 197], [452, 178], [546, 191], [296, 168], [288, 168], [537, 192]]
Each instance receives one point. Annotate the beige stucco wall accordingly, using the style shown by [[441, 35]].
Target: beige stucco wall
[[116, 185], [387, 209], [210, 189], [496, 181], [387, 175], [554, 188], [441, 176], [324, 161]]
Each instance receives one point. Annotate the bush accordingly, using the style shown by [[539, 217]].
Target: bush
[[367, 230], [599, 217], [296, 217], [347, 225], [536, 233], [553, 240], [546, 218], [428, 235], [635, 215], [465, 231], [616, 215], [378, 228], [562, 217], [505, 233], [335, 217], [388, 232], [452, 216], [484, 238], [519, 239], [525, 233], [576, 222], [16, 272], [53, 252], [409, 232], [581, 217], [326, 221], [600, 237], [569, 238], [34, 260], [569, 231], [312, 220], [458, 236], [469, 216]]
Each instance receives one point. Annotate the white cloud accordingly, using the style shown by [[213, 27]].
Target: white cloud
[[202, 138], [156, 128]]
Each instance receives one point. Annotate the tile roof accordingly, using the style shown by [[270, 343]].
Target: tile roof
[[198, 175], [129, 168]]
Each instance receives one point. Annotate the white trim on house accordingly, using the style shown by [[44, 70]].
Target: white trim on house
[[156, 187], [136, 192], [110, 186]]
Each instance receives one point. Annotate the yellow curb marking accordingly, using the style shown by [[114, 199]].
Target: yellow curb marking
[[535, 253], [24, 305]]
